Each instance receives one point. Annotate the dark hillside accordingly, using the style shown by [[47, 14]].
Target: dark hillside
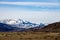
[[54, 27]]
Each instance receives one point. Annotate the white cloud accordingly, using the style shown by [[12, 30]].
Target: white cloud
[[30, 3], [32, 16]]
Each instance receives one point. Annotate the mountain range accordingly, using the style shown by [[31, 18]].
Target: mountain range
[[18, 25]]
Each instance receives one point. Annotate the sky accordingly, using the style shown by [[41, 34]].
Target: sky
[[36, 11]]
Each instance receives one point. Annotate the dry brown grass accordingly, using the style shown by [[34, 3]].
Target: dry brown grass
[[29, 36]]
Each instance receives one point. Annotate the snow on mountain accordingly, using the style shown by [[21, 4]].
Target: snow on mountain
[[19, 23], [11, 21]]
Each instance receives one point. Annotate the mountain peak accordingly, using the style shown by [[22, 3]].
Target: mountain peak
[[20, 23], [12, 21]]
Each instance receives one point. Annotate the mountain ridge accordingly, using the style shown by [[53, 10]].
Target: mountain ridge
[[21, 23]]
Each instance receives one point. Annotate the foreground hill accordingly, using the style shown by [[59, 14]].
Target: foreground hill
[[54, 27]]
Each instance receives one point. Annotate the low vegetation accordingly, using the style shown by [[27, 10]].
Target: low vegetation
[[29, 36]]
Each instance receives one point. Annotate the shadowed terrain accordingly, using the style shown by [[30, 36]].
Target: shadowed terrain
[[55, 27]]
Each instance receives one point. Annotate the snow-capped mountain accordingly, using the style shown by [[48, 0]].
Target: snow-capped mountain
[[19, 23], [11, 21]]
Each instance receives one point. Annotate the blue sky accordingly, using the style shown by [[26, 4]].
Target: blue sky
[[36, 11], [32, 0]]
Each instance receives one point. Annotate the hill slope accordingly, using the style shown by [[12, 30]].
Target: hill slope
[[54, 27]]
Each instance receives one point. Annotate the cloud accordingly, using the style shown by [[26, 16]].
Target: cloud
[[31, 3]]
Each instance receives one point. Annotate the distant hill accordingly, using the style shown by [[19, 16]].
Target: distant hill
[[5, 27], [8, 28], [36, 29], [54, 27]]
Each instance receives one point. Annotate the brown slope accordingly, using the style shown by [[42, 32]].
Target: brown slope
[[54, 27]]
